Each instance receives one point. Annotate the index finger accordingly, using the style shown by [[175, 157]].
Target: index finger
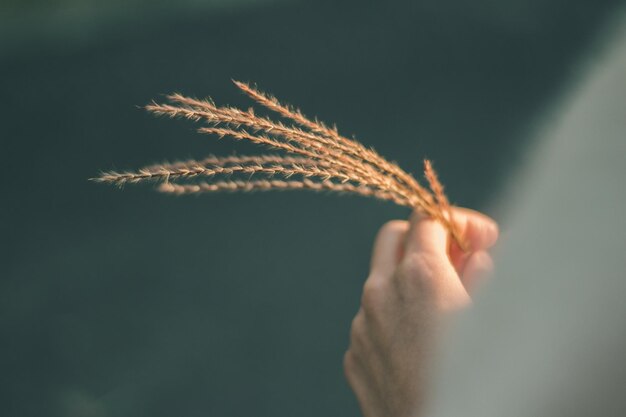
[[478, 230]]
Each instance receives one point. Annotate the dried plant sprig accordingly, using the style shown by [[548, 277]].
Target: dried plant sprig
[[346, 152], [167, 173], [273, 185], [297, 140], [446, 215], [365, 154], [318, 158], [294, 140], [235, 159], [366, 175]]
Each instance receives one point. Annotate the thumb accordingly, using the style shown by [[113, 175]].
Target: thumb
[[426, 261], [425, 235]]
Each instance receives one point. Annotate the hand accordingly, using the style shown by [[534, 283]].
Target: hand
[[416, 274]]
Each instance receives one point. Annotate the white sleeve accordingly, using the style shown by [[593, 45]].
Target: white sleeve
[[547, 336]]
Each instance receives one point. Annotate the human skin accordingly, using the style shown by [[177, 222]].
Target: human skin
[[417, 275]]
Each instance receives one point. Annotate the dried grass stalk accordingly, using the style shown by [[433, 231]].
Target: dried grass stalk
[[318, 158]]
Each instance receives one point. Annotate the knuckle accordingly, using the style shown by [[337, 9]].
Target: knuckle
[[414, 265], [349, 364], [373, 294], [418, 269], [356, 330]]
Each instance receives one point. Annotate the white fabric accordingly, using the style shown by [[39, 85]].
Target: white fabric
[[547, 336]]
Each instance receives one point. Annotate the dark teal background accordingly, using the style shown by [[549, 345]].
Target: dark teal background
[[132, 303]]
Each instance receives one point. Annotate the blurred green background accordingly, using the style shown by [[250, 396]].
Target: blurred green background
[[132, 303]]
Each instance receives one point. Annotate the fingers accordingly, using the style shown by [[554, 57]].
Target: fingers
[[478, 230], [453, 271], [478, 266], [388, 247]]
